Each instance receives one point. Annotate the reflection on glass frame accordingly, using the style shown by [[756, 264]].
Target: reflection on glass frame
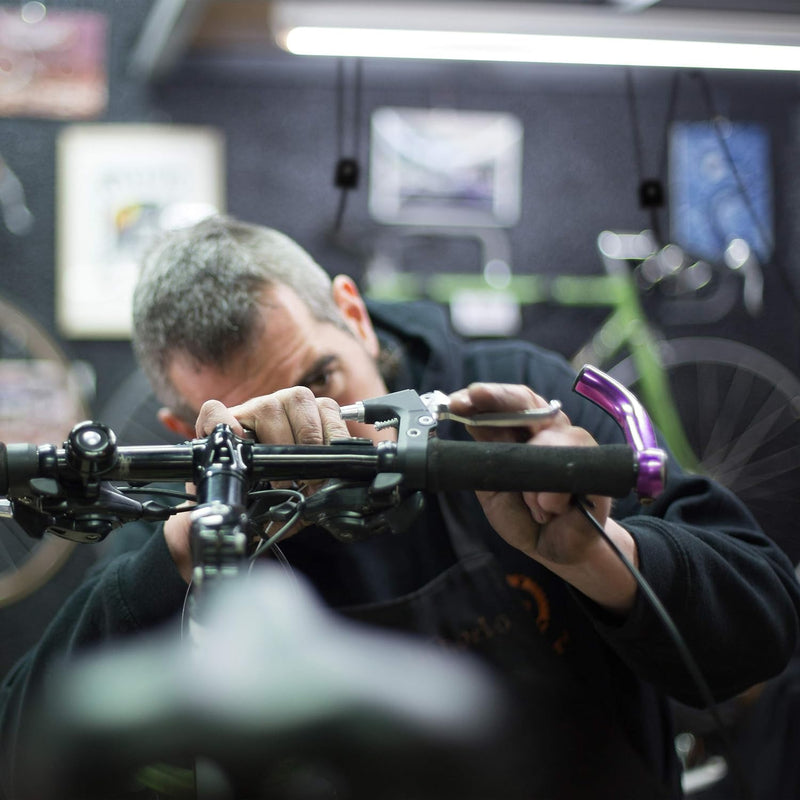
[[119, 186], [445, 167]]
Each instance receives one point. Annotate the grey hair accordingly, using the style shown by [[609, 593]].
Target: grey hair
[[199, 293]]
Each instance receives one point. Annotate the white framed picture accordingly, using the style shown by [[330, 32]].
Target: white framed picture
[[118, 187], [446, 167]]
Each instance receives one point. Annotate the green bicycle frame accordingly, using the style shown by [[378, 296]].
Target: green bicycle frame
[[626, 328]]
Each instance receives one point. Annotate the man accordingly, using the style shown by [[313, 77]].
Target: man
[[236, 323]]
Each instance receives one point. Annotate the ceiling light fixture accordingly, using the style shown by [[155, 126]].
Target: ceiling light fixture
[[540, 33]]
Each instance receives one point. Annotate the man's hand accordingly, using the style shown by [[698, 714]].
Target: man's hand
[[546, 525], [290, 416]]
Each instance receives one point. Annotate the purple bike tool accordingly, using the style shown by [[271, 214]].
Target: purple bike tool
[[628, 412]]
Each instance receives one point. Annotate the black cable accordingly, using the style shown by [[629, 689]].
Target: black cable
[[651, 190], [670, 118], [340, 108], [157, 491], [281, 557], [684, 652], [294, 500], [765, 234], [357, 101], [716, 119], [268, 544], [635, 124], [347, 173]]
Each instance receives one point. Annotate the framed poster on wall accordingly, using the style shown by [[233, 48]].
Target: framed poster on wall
[[721, 187], [118, 187], [438, 166], [53, 62]]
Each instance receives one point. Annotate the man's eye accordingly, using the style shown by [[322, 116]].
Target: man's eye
[[320, 382]]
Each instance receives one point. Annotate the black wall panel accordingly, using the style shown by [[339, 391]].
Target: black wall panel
[[278, 116]]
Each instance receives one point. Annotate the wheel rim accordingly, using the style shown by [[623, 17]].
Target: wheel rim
[[32, 367], [741, 413]]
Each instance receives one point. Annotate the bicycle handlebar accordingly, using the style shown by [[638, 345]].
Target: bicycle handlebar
[[610, 470], [69, 490]]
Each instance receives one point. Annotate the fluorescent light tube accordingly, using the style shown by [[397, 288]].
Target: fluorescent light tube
[[540, 49], [539, 34]]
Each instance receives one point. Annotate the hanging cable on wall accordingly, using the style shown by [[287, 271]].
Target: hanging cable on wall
[[652, 195], [761, 229], [347, 172], [717, 120]]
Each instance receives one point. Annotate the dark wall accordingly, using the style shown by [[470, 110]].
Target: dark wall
[[27, 274], [278, 116]]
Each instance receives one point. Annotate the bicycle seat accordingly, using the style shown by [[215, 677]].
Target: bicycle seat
[[283, 698]]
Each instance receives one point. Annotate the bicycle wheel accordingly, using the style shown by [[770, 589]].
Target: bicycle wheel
[[740, 409], [40, 401]]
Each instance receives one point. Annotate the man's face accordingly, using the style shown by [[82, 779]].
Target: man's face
[[293, 349]]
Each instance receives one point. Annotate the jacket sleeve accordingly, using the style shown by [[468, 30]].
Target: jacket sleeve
[[731, 592], [134, 591]]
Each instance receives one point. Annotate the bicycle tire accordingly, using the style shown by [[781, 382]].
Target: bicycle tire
[[25, 564], [33, 365], [740, 409]]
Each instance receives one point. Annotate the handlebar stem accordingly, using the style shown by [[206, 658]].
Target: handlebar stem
[[221, 465]]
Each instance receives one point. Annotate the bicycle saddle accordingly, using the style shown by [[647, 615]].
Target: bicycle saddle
[[283, 699]]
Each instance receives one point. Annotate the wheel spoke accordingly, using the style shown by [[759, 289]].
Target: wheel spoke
[[761, 472], [738, 451], [740, 411], [726, 419]]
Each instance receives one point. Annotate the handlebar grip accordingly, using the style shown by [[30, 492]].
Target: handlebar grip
[[608, 470], [18, 464]]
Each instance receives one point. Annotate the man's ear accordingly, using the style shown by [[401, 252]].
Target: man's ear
[[349, 301], [172, 422]]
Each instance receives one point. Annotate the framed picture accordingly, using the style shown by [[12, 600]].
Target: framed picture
[[118, 187], [445, 167], [53, 62], [721, 187]]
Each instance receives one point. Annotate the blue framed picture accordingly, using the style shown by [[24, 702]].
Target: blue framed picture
[[720, 180]]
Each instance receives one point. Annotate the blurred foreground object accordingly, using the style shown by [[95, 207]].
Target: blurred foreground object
[[281, 698]]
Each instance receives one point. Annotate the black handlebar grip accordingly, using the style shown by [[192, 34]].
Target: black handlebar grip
[[609, 470], [18, 464]]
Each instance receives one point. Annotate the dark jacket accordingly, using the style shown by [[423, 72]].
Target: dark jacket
[[730, 591]]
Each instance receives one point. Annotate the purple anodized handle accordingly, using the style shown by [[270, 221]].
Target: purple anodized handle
[[630, 415]]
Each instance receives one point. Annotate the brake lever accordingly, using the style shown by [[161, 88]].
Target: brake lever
[[437, 406], [81, 520], [438, 403]]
